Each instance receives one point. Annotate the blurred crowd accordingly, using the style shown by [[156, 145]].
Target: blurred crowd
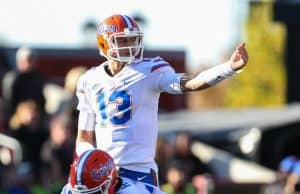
[[38, 126]]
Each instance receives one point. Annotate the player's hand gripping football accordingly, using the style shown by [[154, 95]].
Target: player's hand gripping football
[[239, 58]]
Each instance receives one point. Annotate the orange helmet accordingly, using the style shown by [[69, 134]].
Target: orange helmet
[[119, 38], [93, 172]]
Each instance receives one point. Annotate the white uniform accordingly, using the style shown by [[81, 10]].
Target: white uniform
[[125, 108]]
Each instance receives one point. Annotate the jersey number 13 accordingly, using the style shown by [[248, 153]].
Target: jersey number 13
[[121, 101]]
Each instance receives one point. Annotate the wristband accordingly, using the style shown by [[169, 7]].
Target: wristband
[[86, 121], [216, 74]]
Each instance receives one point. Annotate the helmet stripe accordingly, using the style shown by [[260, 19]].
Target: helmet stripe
[[80, 169], [127, 21]]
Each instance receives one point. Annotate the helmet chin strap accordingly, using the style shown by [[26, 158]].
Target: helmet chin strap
[[116, 57]]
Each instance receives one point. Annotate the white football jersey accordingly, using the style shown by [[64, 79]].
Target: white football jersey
[[126, 107]]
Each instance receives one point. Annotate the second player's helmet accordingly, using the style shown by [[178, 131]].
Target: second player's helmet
[[119, 38], [93, 172]]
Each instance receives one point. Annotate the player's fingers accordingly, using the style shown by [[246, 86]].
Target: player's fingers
[[244, 57], [238, 56], [246, 54], [242, 49], [241, 46], [243, 52]]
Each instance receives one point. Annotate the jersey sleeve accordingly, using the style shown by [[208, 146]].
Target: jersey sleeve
[[167, 80], [82, 94]]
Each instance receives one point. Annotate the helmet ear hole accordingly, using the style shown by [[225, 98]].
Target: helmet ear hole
[[102, 45]]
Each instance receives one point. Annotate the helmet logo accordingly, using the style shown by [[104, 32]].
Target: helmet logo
[[98, 173], [107, 28]]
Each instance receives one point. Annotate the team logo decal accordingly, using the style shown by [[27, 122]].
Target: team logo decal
[[98, 173], [107, 28]]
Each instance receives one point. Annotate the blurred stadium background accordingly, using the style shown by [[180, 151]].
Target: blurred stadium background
[[240, 130]]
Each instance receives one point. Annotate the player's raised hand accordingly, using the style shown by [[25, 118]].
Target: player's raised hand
[[239, 58]]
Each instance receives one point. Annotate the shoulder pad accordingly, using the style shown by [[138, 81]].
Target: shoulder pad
[[147, 59], [157, 63], [157, 59], [153, 59]]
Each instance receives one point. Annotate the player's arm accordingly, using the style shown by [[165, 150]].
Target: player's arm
[[86, 135], [85, 141], [86, 120], [215, 74]]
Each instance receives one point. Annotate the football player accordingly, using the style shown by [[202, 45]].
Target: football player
[[93, 172], [118, 100]]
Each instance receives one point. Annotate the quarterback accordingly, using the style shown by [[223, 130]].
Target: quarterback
[[118, 100]]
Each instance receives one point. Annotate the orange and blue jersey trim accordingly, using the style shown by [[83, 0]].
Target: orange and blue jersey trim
[[158, 66]]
